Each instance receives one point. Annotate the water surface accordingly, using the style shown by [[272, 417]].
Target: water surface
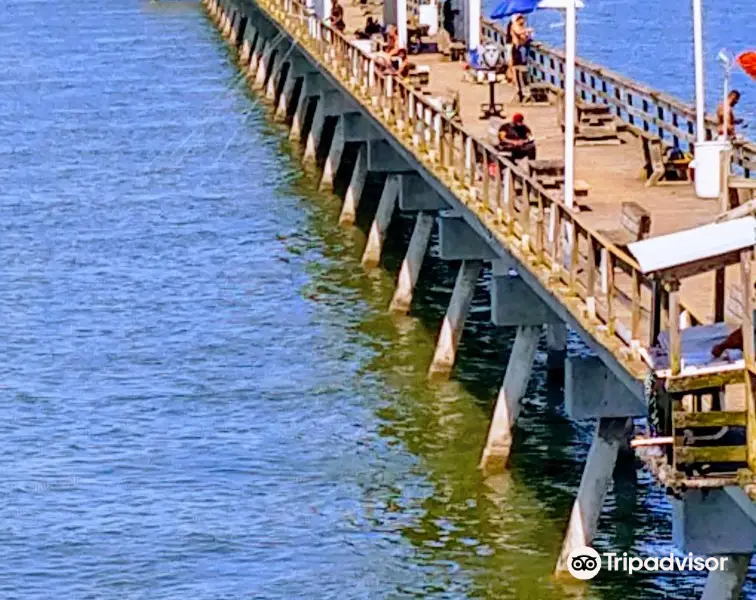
[[203, 395]]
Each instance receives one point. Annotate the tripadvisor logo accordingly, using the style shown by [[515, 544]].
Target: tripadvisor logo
[[585, 563]]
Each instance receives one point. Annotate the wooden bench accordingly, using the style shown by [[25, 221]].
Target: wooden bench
[[658, 168], [741, 190], [634, 225], [528, 91], [419, 75], [595, 125]]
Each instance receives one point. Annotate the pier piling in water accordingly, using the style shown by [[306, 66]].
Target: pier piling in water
[[499, 443], [374, 247], [354, 189], [454, 321], [412, 263], [594, 485]]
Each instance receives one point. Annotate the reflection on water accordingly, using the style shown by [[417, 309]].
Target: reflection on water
[[204, 395]]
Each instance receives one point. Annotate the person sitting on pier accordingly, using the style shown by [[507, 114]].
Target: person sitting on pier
[[516, 138], [400, 64], [372, 27], [337, 17], [383, 60], [732, 99]]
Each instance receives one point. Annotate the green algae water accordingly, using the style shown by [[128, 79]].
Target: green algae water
[[203, 394]]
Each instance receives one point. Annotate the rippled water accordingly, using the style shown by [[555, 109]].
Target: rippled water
[[652, 42], [203, 395]]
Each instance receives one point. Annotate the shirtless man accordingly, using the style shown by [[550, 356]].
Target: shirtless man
[[732, 99], [519, 36]]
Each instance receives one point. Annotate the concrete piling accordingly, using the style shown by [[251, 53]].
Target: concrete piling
[[594, 485], [316, 132], [372, 255], [454, 321], [726, 584], [333, 160], [412, 263], [354, 190], [499, 443]]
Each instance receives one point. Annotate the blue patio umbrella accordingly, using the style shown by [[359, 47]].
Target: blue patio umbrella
[[507, 8]]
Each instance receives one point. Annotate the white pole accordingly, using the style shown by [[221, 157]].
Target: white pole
[[698, 51], [473, 23], [726, 103], [401, 22], [569, 105]]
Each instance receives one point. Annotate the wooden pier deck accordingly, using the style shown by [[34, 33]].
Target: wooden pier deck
[[613, 172]]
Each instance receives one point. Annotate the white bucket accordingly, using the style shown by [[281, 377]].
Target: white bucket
[[708, 165]]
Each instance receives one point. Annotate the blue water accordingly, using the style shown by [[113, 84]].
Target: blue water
[[652, 42], [202, 394]]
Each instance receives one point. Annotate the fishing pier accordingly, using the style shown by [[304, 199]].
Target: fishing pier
[[649, 275]]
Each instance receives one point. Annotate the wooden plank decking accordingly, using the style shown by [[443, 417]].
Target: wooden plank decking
[[614, 173]]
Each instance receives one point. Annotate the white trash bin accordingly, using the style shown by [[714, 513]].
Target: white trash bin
[[708, 167]]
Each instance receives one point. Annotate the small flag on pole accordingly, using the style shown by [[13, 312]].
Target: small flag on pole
[[747, 62]]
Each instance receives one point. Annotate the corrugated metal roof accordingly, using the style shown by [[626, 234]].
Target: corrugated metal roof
[[692, 245]]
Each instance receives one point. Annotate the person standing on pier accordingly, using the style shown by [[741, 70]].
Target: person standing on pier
[[337, 17], [518, 38], [449, 14], [732, 99]]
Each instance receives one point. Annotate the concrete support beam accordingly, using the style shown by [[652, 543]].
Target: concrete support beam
[[358, 129], [499, 443], [333, 160], [316, 132], [382, 158], [416, 194], [236, 33], [283, 106], [412, 263], [372, 255], [311, 86], [263, 66], [556, 342], [458, 241], [714, 522], [276, 63], [592, 391], [230, 17], [248, 43], [727, 583], [354, 190], [454, 321], [594, 485], [337, 104], [258, 52], [513, 302], [221, 21]]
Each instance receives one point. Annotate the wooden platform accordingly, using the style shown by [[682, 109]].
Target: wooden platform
[[613, 172]]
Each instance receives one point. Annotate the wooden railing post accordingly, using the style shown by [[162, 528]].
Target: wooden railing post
[[635, 317], [675, 356], [746, 281]]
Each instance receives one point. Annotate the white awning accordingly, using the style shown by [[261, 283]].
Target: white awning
[[693, 245]]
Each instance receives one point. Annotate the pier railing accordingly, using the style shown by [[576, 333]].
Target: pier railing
[[601, 285], [645, 109]]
